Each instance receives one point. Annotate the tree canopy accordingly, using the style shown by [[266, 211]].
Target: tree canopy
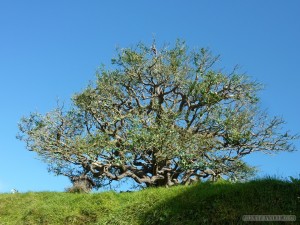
[[161, 117]]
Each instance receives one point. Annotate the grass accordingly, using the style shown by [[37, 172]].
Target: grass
[[204, 203]]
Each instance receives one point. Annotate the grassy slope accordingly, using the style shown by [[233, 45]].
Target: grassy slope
[[206, 203]]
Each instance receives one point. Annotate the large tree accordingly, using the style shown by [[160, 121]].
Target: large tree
[[161, 117]]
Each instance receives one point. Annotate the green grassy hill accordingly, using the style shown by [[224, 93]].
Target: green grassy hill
[[205, 203]]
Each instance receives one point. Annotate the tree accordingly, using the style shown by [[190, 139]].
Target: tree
[[160, 117]]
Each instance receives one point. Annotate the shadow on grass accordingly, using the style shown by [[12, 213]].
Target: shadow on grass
[[225, 203]]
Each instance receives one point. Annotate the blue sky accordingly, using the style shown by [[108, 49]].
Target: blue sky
[[51, 49]]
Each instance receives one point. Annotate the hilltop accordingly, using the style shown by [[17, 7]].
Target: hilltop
[[203, 203]]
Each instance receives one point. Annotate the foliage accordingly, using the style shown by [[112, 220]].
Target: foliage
[[203, 203], [160, 117]]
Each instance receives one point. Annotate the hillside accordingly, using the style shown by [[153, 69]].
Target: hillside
[[205, 203]]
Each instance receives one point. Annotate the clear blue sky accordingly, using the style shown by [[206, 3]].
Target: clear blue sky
[[51, 49]]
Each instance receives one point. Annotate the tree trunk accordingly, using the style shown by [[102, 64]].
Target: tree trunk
[[83, 182]]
